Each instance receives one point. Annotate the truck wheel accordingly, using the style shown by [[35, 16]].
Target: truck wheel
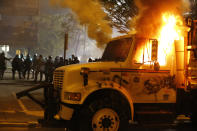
[[103, 115], [105, 118]]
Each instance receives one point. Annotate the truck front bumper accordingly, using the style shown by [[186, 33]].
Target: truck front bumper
[[67, 110]]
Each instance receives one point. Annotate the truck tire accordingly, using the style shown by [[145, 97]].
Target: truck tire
[[103, 114]]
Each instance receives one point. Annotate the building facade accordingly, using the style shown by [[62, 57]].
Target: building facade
[[18, 30]]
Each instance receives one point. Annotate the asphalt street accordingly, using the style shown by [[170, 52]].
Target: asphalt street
[[18, 112]]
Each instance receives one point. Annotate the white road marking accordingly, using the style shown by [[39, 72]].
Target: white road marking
[[26, 111], [20, 102]]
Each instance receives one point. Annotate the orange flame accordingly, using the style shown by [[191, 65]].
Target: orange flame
[[171, 30]]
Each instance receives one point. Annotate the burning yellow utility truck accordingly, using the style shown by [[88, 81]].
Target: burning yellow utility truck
[[137, 79]]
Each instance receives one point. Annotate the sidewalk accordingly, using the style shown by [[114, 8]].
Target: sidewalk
[[18, 82], [8, 79]]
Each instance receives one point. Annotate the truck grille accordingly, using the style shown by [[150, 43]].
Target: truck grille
[[58, 78]]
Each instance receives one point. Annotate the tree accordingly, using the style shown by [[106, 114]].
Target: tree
[[120, 12], [194, 9], [52, 29]]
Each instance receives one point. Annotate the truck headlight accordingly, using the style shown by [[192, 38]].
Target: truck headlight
[[72, 96]]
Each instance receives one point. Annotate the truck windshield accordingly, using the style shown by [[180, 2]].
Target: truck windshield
[[117, 50]]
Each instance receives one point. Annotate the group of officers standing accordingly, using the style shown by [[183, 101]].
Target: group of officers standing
[[35, 66]]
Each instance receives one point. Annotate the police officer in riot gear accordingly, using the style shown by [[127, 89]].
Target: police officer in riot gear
[[49, 68], [27, 66], [16, 66], [40, 68], [34, 60], [2, 64]]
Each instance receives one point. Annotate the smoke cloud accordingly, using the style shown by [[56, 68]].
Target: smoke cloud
[[91, 15], [148, 21]]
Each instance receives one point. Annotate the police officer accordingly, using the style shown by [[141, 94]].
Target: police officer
[[56, 62], [61, 62], [76, 60], [22, 66], [49, 68], [3, 64], [16, 66], [34, 60], [40, 68], [27, 66], [90, 60]]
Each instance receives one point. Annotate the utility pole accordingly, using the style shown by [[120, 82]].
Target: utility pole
[[65, 46]]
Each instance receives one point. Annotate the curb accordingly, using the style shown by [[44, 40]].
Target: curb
[[19, 124], [19, 82], [26, 84]]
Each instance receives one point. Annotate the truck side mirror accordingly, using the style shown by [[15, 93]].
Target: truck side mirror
[[84, 72], [154, 52], [154, 49]]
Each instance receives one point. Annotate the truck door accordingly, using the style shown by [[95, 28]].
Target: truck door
[[147, 81]]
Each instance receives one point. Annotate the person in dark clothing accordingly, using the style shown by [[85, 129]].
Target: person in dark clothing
[[21, 57], [76, 60], [56, 62], [66, 62], [27, 66], [73, 60], [70, 61], [22, 65], [72, 57], [49, 68], [40, 68], [90, 60], [34, 65], [16, 66], [61, 62], [2, 64]]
